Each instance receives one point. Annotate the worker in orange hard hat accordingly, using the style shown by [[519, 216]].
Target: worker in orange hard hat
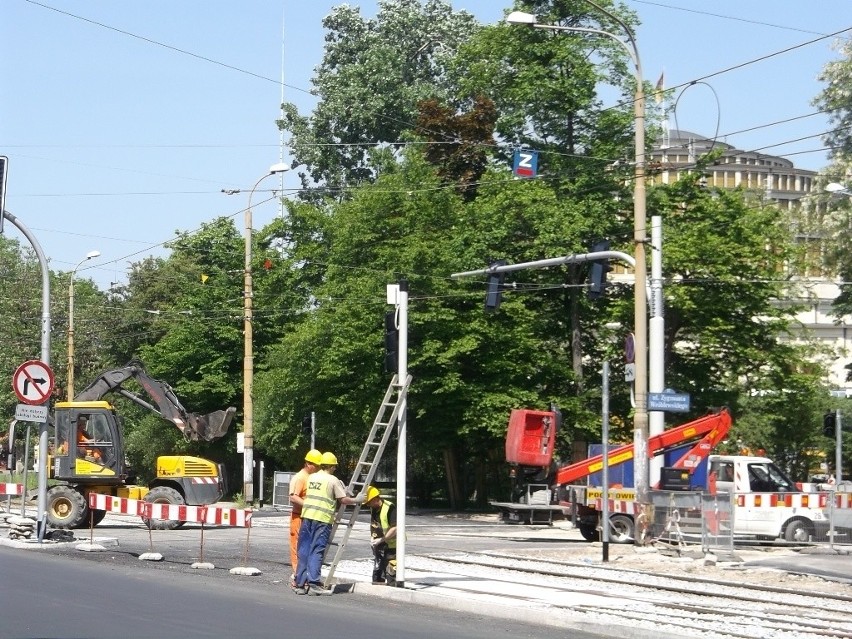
[[298, 488], [382, 536], [325, 493]]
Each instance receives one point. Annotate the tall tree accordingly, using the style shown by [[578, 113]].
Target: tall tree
[[373, 74], [831, 217]]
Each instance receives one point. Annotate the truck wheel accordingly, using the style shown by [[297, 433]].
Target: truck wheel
[[164, 495], [621, 530], [798, 530], [66, 508], [590, 533]]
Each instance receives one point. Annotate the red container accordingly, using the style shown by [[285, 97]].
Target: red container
[[530, 438]]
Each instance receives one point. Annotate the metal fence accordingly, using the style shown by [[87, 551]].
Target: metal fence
[[684, 518]]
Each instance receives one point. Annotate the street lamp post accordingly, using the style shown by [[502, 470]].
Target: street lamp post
[[89, 255], [248, 351], [837, 189], [640, 415]]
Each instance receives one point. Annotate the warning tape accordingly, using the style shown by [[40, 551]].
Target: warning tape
[[218, 516], [11, 489]]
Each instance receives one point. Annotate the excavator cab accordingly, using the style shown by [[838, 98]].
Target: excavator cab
[[88, 445]]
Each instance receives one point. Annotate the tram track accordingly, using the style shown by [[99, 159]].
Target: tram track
[[685, 603]]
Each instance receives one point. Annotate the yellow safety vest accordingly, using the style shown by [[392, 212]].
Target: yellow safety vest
[[320, 504], [383, 518]]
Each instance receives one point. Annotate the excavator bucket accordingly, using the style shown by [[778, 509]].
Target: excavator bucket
[[209, 427]]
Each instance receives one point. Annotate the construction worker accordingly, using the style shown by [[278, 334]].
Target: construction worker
[[382, 537], [85, 440], [298, 489], [324, 495]]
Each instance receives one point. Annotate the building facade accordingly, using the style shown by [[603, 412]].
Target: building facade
[[777, 179]]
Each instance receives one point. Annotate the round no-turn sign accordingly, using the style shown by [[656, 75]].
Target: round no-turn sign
[[33, 382]]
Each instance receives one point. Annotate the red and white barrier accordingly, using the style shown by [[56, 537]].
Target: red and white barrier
[[120, 505], [11, 489], [213, 515]]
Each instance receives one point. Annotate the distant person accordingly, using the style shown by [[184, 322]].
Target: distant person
[[298, 489], [382, 537], [325, 494]]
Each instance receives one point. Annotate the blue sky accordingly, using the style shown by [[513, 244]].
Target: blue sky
[[115, 142]]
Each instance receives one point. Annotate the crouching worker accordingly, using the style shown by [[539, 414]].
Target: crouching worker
[[382, 537]]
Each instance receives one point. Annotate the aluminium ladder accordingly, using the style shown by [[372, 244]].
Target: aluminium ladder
[[367, 464]]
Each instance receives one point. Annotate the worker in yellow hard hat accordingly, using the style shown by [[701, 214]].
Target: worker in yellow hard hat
[[298, 488], [324, 495], [382, 536]]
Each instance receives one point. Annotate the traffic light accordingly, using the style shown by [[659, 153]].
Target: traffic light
[[391, 342], [494, 287], [829, 424], [307, 425], [598, 271]]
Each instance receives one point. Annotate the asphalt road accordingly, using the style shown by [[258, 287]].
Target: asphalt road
[[171, 598], [49, 596]]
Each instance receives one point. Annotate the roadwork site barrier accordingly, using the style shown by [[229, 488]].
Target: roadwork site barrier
[[204, 515], [11, 489]]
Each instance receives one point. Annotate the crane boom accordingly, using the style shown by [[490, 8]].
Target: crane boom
[[166, 404], [709, 430]]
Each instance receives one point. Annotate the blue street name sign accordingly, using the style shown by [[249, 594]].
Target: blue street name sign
[[669, 402]]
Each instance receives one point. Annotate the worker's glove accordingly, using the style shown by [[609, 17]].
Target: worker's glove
[[376, 541]]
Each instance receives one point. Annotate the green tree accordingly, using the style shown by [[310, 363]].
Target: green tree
[[373, 74], [830, 217]]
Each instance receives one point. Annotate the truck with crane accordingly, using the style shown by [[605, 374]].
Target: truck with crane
[[87, 453], [765, 502], [542, 490]]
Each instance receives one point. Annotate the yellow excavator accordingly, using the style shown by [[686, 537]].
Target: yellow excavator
[[88, 452]]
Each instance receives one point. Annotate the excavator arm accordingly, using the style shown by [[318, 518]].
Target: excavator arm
[[165, 403], [709, 430]]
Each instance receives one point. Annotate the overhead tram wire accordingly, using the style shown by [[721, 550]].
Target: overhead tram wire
[[225, 65], [385, 116], [578, 194], [725, 17], [231, 67], [388, 117], [741, 65]]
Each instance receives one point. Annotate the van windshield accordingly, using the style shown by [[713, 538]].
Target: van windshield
[[766, 477]]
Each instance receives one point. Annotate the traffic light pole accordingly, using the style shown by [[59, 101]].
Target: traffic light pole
[[838, 448], [553, 261], [397, 294]]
